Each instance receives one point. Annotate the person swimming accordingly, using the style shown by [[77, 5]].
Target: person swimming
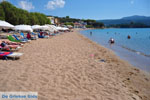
[[129, 37]]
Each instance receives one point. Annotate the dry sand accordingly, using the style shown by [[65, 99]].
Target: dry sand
[[68, 67]]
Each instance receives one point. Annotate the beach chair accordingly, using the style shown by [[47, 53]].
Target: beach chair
[[34, 38], [22, 34], [46, 36], [12, 55], [22, 40], [40, 36], [12, 39]]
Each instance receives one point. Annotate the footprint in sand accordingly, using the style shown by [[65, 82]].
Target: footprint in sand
[[22, 79], [137, 70], [43, 79], [43, 98]]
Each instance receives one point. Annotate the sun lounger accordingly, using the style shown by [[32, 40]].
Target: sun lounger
[[12, 39], [22, 40], [22, 34], [15, 55], [34, 36], [40, 36], [6, 55]]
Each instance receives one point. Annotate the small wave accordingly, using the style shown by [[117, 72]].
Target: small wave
[[137, 52]]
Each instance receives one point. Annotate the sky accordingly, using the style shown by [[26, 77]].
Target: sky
[[86, 9]]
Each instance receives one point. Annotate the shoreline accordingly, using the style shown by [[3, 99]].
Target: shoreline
[[133, 56], [71, 66], [110, 51]]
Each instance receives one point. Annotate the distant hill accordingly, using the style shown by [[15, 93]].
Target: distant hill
[[127, 20]]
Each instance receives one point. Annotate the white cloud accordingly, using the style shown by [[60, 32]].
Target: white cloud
[[132, 1], [26, 5], [1, 0], [53, 4]]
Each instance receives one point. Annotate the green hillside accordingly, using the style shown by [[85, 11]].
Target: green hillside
[[16, 16]]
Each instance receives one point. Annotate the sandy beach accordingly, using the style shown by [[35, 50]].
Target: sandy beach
[[71, 67]]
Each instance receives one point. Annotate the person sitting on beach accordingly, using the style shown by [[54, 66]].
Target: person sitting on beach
[[3, 44], [41, 33], [28, 36]]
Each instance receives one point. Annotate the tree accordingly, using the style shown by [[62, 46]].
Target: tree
[[69, 23], [67, 17], [17, 16], [2, 14]]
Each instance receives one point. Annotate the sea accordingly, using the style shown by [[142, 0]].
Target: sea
[[135, 50]]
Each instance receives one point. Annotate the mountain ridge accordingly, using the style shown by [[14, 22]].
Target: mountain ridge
[[127, 20]]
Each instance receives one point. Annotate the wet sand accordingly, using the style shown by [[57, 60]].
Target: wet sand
[[71, 67]]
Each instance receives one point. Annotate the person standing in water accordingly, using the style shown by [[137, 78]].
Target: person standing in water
[[129, 37], [91, 33], [111, 41]]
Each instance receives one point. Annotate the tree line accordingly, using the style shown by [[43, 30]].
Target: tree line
[[16, 16], [130, 25]]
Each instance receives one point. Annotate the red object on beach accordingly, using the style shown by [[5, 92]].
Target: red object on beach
[[2, 54], [28, 36], [41, 33]]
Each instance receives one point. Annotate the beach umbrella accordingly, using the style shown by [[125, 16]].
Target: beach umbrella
[[47, 28], [62, 28], [5, 25], [52, 29], [59, 28], [36, 27], [26, 28]]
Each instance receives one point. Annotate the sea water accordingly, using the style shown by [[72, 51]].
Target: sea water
[[135, 50]]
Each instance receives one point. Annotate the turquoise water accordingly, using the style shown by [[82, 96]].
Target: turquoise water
[[135, 50]]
